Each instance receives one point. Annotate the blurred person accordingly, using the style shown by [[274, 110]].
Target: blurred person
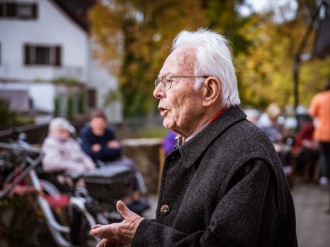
[[320, 110], [63, 154], [252, 115], [61, 151], [305, 151], [99, 141], [169, 142], [269, 123], [223, 185]]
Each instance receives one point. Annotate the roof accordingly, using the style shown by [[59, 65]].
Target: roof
[[77, 10]]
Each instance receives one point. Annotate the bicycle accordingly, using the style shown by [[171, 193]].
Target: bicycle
[[84, 208]]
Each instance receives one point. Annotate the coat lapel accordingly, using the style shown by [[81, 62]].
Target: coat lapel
[[193, 150]]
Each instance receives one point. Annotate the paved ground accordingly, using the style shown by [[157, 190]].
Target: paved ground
[[313, 221]]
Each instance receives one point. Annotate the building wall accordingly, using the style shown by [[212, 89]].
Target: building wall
[[52, 27]]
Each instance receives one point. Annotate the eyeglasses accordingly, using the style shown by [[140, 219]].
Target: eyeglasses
[[167, 82]]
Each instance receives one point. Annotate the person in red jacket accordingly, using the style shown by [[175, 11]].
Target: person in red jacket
[[305, 151]]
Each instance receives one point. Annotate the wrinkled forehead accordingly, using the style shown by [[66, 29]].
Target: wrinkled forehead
[[180, 61]]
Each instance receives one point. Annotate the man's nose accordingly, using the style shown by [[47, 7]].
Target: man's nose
[[159, 92]]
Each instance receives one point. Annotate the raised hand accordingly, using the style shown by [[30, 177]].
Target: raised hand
[[118, 234]]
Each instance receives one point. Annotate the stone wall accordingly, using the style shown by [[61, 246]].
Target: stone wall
[[148, 158], [146, 153]]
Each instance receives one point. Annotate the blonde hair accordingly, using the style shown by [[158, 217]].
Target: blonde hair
[[273, 111]]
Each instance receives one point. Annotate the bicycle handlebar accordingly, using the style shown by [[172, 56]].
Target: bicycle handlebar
[[20, 148]]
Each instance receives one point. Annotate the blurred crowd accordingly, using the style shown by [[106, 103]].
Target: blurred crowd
[[302, 142], [304, 152]]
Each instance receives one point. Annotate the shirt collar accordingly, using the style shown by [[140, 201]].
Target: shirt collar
[[191, 151], [181, 139]]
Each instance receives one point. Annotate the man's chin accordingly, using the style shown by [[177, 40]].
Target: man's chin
[[167, 124]]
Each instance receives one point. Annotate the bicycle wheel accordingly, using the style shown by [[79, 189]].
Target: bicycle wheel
[[80, 227], [86, 239]]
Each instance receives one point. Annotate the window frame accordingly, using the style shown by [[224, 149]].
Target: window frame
[[33, 55], [11, 10]]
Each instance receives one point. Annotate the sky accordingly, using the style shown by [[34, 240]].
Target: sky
[[284, 9]]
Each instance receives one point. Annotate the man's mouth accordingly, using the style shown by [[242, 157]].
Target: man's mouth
[[163, 111]]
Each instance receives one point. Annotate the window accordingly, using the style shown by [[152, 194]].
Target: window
[[24, 10], [18, 10], [42, 55], [91, 103]]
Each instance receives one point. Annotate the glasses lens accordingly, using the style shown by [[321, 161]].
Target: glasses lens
[[157, 82], [165, 82]]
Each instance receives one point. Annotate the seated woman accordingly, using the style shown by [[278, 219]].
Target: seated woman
[[62, 153]]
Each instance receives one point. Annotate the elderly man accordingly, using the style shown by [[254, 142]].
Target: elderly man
[[223, 185]]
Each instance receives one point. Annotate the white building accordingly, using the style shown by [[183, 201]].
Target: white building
[[45, 59]]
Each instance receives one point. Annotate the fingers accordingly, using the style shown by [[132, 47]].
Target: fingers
[[118, 233], [103, 243], [129, 216], [111, 243], [113, 144], [96, 226], [125, 212], [99, 231], [108, 232]]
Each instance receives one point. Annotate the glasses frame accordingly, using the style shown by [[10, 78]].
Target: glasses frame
[[167, 86]]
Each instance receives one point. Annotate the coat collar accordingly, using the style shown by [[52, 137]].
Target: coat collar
[[191, 151]]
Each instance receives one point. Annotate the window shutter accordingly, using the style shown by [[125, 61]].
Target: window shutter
[[2, 14], [11, 9], [91, 101], [27, 54], [34, 11], [58, 57]]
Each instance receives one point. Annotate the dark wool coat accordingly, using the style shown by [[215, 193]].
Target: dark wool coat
[[224, 187]]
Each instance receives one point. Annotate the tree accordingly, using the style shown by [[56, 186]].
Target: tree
[[266, 70], [134, 37], [223, 15]]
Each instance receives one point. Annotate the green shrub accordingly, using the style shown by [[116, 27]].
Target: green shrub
[[6, 115]]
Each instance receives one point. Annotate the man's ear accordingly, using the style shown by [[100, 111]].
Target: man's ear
[[211, 90]]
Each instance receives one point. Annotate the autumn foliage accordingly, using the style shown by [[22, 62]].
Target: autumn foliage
[[133, 38]]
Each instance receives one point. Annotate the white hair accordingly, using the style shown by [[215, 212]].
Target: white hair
[[60, 123], [213, 58]]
